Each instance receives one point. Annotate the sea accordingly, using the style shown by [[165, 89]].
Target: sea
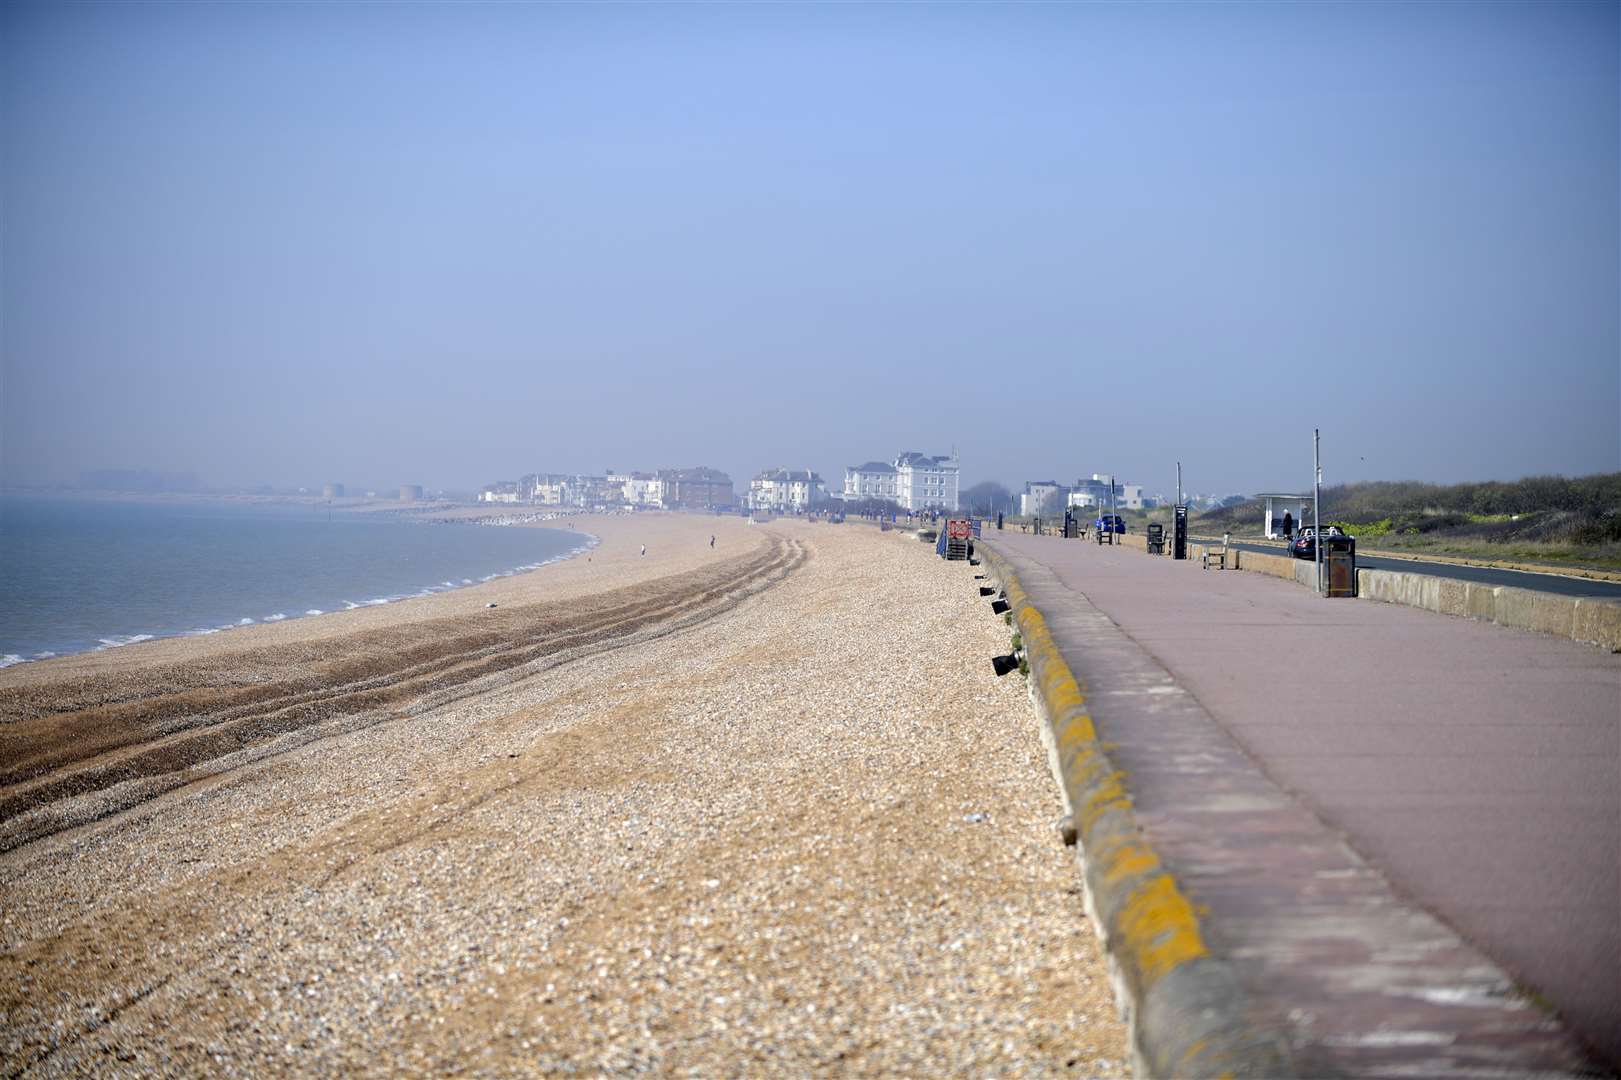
[[77, 576]]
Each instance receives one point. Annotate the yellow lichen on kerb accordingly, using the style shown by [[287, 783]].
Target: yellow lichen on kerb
[[1158, 930], [1073, 737], [1129, 860], [1103, 796]]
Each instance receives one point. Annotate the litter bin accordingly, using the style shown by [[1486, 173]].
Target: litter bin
[[1339, 565]]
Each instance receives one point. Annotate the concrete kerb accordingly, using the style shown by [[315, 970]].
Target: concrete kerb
[[1184, 1006]]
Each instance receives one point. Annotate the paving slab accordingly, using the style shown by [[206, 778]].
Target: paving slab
[[1405, 827]]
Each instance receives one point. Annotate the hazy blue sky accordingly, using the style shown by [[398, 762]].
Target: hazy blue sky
[[451, 244]]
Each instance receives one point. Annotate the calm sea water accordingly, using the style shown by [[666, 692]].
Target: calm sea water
[[76, 576]]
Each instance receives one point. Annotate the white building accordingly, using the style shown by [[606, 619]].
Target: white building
[[790, 491], [1083, 498], [551, 489], [915, 481], [925, 482], [874, 480], [1042, 497], [505, 491], [644, 490]]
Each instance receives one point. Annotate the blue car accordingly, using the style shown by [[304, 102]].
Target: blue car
[[1110, 523]]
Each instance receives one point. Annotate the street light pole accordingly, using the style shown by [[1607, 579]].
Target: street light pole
[[1317, 502]]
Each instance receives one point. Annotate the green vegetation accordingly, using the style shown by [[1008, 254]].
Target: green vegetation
[[1017, 641], [1540, 519]]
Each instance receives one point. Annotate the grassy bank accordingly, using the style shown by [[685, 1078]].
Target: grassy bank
[[1555, 520]]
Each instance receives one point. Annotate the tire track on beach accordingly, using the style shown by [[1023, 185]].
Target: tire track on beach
[[446, 660], [107, 988]]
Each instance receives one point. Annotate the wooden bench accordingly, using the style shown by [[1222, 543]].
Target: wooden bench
[[1216, 557]]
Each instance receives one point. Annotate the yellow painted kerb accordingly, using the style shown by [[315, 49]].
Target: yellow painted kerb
[[1156, 928]]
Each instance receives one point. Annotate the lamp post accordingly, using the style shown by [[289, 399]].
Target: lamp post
[[1317, 503]]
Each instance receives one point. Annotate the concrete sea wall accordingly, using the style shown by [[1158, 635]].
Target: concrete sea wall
[[1584, 619]]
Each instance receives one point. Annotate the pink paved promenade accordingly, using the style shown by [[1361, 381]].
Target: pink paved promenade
[[1477, 767]]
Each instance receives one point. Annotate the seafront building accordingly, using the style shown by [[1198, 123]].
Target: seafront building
[[915, 481], [874, 480], [1043, 497], [700, 488], [786, 491], [502, 491], [552, 489], [1095, 493], [644, 490]]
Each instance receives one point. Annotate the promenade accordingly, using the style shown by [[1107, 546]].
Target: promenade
[[1402, 828]]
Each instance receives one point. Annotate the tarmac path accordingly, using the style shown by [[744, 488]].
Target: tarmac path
[[1474, 765]]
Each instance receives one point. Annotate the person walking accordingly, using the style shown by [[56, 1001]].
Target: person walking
[[644, 549], [711, 541], [1288, 525]]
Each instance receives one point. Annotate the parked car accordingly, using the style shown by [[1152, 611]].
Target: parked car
[[1110, 523], [1304, 545]]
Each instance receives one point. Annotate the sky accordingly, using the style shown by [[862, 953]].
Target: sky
[[451, 244]]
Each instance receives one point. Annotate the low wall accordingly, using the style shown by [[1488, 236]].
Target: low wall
[[1584, 619], [1580, 618]]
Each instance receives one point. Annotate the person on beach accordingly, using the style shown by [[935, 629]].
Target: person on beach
[[644, 549], [711, 541]]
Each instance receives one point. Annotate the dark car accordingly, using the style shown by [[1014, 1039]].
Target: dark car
[[1304, 545], [1110, 523]]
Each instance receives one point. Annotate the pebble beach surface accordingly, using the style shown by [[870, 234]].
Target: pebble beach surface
[[801, 828]]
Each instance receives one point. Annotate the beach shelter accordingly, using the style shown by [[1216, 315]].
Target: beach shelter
[[1278, 504]]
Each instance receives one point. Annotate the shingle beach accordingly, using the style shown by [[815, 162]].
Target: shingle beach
[[760, 808]]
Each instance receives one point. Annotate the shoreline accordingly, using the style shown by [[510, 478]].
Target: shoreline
[[124, 640], [612, 550]]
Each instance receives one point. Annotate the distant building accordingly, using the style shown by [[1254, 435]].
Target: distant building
[[1130, 497], [332, 491], [1081, 498], [504, 491], [552, 489], [701, 488], [791, 491], [410, 493], [643, 490], [915, 481], [926, 483], [589, 491], [1042, 497], [874, 480]]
